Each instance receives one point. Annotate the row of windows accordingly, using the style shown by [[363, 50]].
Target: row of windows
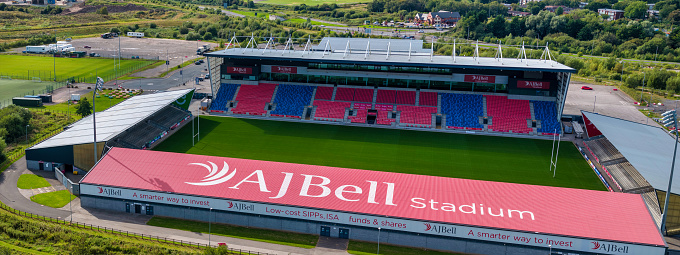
[[354, 67], [380, 82]]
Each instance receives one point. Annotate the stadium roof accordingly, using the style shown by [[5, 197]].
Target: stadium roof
[[379, 57], [359, 44], [546, 210], [648, 148], [114, 120]]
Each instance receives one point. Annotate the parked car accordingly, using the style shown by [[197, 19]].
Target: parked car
[[87, 47], [586, 88]]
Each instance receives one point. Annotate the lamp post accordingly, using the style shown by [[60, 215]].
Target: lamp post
[[209, 226], [550, 247], [27, 133], [644, 77], [669, 118], [378, 241]]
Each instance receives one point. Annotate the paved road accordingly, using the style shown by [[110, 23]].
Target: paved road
[[172, 80], [10, 195]]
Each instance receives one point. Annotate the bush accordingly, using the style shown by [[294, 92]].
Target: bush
[[183, 30], [103, 11], [152, 25]]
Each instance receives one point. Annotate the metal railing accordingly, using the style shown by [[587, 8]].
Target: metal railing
[[125, 233]]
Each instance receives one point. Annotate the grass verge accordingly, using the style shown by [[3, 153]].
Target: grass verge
[[55, 199], [13, 249], [33, 236], [316, 23], [477, 157], [32, 181], [255, 234], [366, 248]]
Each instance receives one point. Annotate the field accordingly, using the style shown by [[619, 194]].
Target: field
[[312, 2], [416, 152], [316, 23], [41, 66], [13, 88]]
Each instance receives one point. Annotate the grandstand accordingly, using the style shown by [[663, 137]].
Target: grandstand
[[636, 157], [401, 88], [138, 123]]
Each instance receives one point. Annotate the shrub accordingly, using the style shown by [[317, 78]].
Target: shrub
[[152, 25]]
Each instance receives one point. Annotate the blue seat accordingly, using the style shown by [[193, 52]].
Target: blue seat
[[547, 113], [291, 100], [462, 110], [224, 95]]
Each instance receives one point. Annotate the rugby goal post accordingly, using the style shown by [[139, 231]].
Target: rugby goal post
[[5, 78], [36, 79]]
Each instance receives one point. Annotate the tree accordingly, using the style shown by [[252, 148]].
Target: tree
[[3, 145], [114, 30], [634, 80], [559, 11], [84, 108], [535, 9], [103, 11], [673, 84], [152, 25], [183, 30], [600, 4], [497, 26], [674, 17], [635, 10]]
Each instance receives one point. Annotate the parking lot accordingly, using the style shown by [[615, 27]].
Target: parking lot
[[603, 100]]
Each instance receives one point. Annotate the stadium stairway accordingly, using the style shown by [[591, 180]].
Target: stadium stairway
[[335, 91], [375, 97], [417, 97]]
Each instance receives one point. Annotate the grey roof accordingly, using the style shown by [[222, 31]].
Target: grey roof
[[114, 120], [395, 58], [445, 14], [649, 149], [359, 44]]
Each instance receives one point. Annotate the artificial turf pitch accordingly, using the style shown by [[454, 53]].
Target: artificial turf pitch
[[478, 157]]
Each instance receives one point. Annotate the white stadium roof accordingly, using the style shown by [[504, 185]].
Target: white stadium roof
[[114, 120], [648, 148]]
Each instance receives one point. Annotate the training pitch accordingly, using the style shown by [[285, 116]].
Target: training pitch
[[17, 88], [43, 67], [417, 152]]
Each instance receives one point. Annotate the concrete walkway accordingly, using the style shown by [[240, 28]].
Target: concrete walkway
[[11, 196]]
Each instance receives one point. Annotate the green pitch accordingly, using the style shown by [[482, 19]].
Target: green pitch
[[415, 152], [41, 66], [14, 88]]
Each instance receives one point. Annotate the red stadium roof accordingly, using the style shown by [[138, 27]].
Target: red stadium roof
[[549, 210]]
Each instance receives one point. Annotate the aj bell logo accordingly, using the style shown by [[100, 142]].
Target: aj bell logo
[[609, 247], [214, 176], [241, 206], [439, 229], [480, 78], [109, 191]]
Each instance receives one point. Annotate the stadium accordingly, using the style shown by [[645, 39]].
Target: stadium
[[360, 139]]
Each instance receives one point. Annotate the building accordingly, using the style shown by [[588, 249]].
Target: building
[[390, 83], [653, 14], [133, 123], [525, 2], [613, 14], [436, 213], [518, 13], [437, 18], [553, 8], [638, 159]]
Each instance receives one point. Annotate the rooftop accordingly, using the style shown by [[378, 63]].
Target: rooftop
[[379, 55], [536, 209], [648, 148], [114, 120]]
